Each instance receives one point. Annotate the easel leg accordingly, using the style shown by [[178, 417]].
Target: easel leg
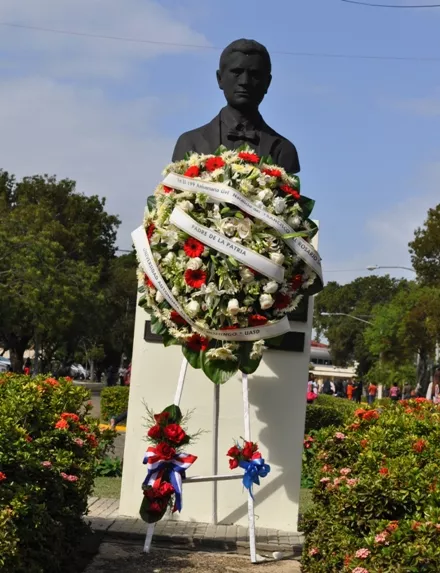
[[216, 413], [177, 398], [247, 437]]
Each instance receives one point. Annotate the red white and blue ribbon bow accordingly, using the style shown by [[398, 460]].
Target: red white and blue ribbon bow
[[177, 466], [253, 471]]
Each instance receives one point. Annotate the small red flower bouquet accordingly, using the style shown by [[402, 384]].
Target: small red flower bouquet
[[166, 463], [248, 458]]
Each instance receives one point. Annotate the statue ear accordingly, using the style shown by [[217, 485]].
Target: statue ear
[[269, 80], [219, 79]]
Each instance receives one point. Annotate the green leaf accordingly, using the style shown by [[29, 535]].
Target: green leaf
[[151, 203], [219, 371], [306, 206], [314, 228], [157, 326], [274, 342], [175, 413], [225, 210], [193, 357], [169, 340], [239, 215], [293, 235], [247, 364], [149, 516]]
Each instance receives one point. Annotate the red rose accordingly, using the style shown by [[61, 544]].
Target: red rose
[[296, 282], [150, 493], [155, 432], [233, 464], [193, 247], [256, 456], [249, 449], [195, 279], [272, 172], [167, 189], [197, 343], [250, 157], [177, 319], [174, 433], [166, 489], [165, 451], [290, 191], [150, 230], [256, 320], [281, 301], [193, 171], [214, 163], [234, 452], [148, 282], [156, 507]]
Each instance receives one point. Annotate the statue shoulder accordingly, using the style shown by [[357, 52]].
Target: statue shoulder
[[193, 140], [284, 152]]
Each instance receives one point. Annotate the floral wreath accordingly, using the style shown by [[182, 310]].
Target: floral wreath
[[208, 218]]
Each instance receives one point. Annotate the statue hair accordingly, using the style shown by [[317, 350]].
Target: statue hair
[[246, 47]]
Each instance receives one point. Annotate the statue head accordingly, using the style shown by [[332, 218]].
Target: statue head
[[244, 74]]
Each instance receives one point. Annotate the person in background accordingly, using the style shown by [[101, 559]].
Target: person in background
[[339, 389], [128, 376], [407, 391], [326, 388], [112, 374], [372, 392], [350, 390], [436, 387], [122, 373], [395, 392], [27, 367], [358, 391]]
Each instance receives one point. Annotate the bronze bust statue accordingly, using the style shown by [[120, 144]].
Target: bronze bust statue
[[244, 76]]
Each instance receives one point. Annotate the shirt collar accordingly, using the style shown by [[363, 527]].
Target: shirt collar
[[232, 119]]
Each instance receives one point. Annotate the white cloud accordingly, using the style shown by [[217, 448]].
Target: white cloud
[[53, 121], [390, 231]]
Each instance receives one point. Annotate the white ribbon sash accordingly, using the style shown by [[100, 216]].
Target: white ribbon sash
[[251, 333], [226, 246], [221, 192]]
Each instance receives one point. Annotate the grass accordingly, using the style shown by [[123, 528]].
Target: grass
[[111, 487]]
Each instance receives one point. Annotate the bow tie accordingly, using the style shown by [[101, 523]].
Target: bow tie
[[250, 135]]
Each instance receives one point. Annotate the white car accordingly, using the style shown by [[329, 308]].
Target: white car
[[5, 364]]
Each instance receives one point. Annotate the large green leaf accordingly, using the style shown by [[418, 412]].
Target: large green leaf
[[219, 371], [247, 364], [150, 516], [151, 203], [192, 356], [157, 326], [169, 340], [306, 206], [175, 414]]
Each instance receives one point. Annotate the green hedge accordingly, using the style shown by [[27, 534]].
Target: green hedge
[[328, 411], [49, 450], [114, 401]]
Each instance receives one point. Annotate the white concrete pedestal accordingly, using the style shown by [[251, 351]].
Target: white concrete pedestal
[[277, 396]]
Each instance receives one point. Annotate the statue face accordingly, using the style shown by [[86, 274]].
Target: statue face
[[244, 80]]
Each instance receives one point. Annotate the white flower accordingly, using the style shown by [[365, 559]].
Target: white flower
[[247, 276], [266, 301], [279, 205], [175, 290], [194, 264], [271, 287], [295, 221], [186, 206], [170, 237], [257, 349], [157, 256], [170, 258], [221, 353], [246, 186], [228, 226], [244, 228], [233, 306], [277, 258], [265, 195], [159, 297], [193, 308]]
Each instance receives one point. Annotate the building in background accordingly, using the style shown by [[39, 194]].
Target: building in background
[[322, 366]]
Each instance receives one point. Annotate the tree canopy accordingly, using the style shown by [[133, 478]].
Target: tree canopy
[[425, 249]]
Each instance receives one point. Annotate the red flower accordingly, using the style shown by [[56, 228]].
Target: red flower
[[162, 418], [355, 426], [148, 282], [176, 318], [364, 443], [384, 471], [166, 489], [256, 320], [272, 172], [167, 189], [234, 452], [2, 476], [419, 446], [68, 416], [28, 438], [195, 279], [91, 438], [155, 432], [233, 464], [52, 382], [193, 247], [249, 449], [165, 451], [230, 327], [156, 507], [256, 456], [296, 282], [197, 343], [250, 157], [62, 425], [84, 428], [290, 191], [359, 413], [150, 230], [393, 525], [281, 301], [214, 163], [371, 415], [174, 433], [193, 171], [68, 379]]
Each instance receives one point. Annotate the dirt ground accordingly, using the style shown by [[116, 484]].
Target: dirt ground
[[123, 557]]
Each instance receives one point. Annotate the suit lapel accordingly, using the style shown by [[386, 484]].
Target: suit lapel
[[267, 141], [211, 136]]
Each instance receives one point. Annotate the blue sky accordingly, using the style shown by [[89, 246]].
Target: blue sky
[[107, 113]]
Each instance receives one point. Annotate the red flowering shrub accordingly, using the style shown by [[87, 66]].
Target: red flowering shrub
[[49, 451], [376, 493]]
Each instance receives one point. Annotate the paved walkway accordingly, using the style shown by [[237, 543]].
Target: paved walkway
[[104, 517]]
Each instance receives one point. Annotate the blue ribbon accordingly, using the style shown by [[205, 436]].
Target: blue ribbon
[[174, 480], [253, 471]]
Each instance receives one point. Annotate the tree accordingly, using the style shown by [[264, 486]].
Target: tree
[[346, 335], [407, 329], [425, 249], [56, 246]]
